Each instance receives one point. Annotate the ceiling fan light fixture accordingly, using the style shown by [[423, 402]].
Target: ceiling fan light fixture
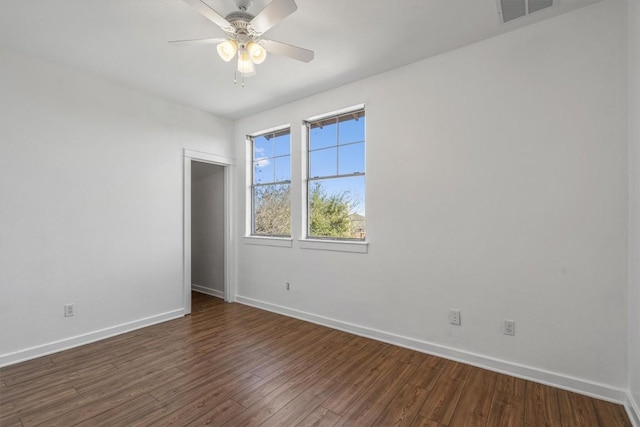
[[256, 52], [245, 64], [244, 41], [227, 50]]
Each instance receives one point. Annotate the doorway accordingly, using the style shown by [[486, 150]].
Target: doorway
[[207, 228], [208, 260]]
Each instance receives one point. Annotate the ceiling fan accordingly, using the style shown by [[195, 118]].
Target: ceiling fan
[[244, 34]]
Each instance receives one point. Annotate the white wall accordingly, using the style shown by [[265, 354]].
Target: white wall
[[634, 204], [90, 204], [496, 184], [207, 228]]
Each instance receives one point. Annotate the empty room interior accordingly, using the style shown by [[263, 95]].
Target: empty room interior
[[278, 212]]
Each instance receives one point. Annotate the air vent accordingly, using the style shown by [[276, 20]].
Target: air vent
[[513, 9]]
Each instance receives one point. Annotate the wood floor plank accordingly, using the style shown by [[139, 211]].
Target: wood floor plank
[[425, 422], [194, 380], [88, 405], [511, 385], [11, 395], [351, 347], [576, 410], [42, 399], [610, 414], [204, 406], [404, 408], [370, 405], [425, 377], [36, 365], [351, 391], [435, 362], [443, 398], [507, 410], [411, 357], [49, 383], [120, 415], [8, 417], [475, 401], [235, 365], [299, 408], [345, 366], [320, 417], [219, 415], [541, 405], [263, 388], [215, 393], [322, 343], [11, 422], [455, 370], [266, 407]]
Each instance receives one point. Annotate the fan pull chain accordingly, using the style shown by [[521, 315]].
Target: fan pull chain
[[235, 78]]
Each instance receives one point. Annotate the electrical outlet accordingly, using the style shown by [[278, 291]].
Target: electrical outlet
[[288, 286], [509, 327], [69, 310], [454, 317]]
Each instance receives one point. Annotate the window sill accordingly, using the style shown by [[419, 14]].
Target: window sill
[[282, 242], [334, 245]]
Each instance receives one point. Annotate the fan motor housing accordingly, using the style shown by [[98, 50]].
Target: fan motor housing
[[239, 19], [241, 22]]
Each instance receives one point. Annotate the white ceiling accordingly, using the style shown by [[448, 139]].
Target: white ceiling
[[126, 41]]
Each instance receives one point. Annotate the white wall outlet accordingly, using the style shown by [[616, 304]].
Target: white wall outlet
[[288, 286], [69, 310], [454, 317], [509, 327]]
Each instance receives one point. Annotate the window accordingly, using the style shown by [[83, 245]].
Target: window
[[336, 177], [271, 183]]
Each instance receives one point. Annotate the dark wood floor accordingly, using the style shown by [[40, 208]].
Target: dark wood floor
[[229, 364]]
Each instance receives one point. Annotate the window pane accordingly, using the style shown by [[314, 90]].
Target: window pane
[[262, 147], [283, 168], [351, 131], [270, 202], [323, 134], [272, 210], [351, 158], [263, 171], [282, 145], [336, 208], [323, 162]]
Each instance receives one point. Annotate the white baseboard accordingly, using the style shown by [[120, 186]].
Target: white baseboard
[[596, 390], [213, 292], [633, 409], [78, 340]]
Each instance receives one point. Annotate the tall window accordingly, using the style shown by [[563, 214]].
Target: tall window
[[336, 177], [271, 183]]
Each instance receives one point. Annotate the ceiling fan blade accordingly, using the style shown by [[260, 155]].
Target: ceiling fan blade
[[273, 13], [197, 41], [213, 16], [288, 50]]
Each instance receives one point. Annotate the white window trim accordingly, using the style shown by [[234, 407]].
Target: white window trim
[[336, 112], [281, 242], [361, 247]]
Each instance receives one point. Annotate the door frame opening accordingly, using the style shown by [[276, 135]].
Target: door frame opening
[[229, 253]]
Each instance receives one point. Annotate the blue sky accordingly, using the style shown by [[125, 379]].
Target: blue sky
[[339, 149]]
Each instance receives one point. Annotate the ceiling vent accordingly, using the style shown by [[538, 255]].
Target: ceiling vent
[[513, 9]]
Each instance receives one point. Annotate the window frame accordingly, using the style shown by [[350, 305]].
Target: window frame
[[308, 241], [275, 132]]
